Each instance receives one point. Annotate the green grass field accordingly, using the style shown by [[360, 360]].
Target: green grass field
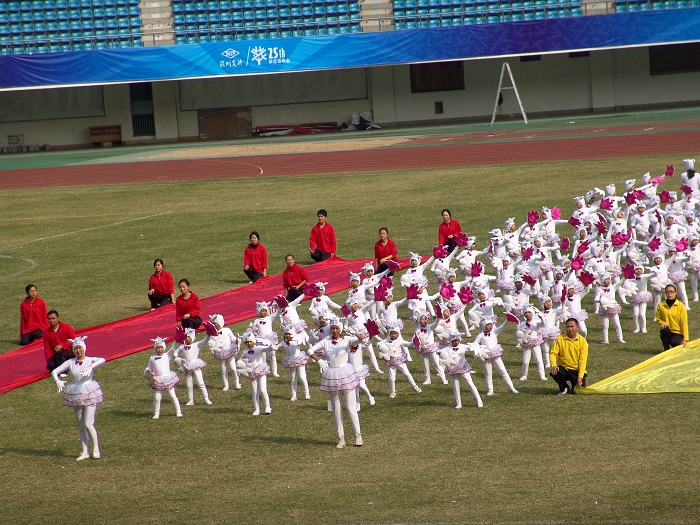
[[527, 458]]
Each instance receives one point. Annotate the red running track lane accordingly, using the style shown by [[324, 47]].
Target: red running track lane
[[504, 151]]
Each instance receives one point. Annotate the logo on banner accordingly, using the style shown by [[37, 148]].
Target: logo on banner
[[231, 61], [269, 55]]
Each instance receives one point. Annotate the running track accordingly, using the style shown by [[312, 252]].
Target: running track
[[433, 151]]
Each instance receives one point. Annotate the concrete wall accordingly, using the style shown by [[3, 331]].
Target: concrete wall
[[603, 81]]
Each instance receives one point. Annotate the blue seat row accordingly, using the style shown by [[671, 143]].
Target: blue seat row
[[52, 5], [75, 14], [190, 27], [64, 48], [265, 35], [227, 5], [77, 36], [414, 4], [635, 7]]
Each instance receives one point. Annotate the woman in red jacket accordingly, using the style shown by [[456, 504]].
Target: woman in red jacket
[[161, 288], [255, 258], [447, 230], [32, 317], [187, 306]]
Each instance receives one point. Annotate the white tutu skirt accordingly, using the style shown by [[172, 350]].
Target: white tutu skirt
[[580, 316], [300, 326], [678, 276], [295, 361], [505, 284], [641, 297], [550, 333], [610, 310], [495, 352], [430, 348], [516, 311], [459, 369], [195, 364], [398, 360], [362, 331], [614, 270], [270, 338], [546, 267], [226, 353], [340, 379], [362, 372], [578, 287], [535, 274], [83, 394], [553, 240], [165, 382], [260, 369], [532, 342]]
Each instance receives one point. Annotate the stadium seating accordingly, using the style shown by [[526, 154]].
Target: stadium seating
[[68, 25]]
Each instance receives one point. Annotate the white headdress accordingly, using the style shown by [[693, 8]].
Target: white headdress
[[689, 164], [249, 337], [355, 277], [510, 222], [368, 267], [415, 256], [191, 333], [262, 306], [158, 341], [320, 286], [610, 189], [78, 341], [629, 184], [217, 319]]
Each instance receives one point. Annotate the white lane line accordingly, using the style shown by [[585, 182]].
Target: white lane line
[[85, 230], [32, 264]]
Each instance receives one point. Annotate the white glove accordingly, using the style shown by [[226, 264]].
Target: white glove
[[61, 385], [323, 365], [87, 371]]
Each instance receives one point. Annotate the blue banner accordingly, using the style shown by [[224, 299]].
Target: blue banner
[[352, 50]]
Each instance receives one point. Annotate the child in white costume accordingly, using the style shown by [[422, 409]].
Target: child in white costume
[[355, 322], [356, 292], [640, 299], [224, 346], [338, 376], [609, 307], [440, 266], [295, 361], [192, 365], [161, 378], [453, 359], [490, 352], [321, 301], [83, 393], [416, 270], [394, 351], [253, 365], [263, 330], [388, 310], [422, 302], [528, 332], [368, 283], [289, 316], [550, 330], [424, 343], [362, 370], [572, 308]]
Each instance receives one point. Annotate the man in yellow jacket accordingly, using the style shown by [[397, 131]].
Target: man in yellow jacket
[[672, 316], [568, 356]]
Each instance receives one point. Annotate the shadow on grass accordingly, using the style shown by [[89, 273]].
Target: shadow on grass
[[34, 452], [286, 440]]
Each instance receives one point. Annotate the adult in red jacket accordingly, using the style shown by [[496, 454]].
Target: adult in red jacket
[[322, 244], [32, 317], [447, 230], [161, 287], [255, 258], [384, 250], [294, 277], [57, 348], [187, 306]]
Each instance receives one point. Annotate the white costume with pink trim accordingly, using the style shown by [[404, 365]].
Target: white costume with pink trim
[[162, 379], [490, 353], [452, 358], [192, 365]]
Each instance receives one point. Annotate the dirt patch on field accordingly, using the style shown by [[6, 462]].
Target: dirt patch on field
[[244, 150]]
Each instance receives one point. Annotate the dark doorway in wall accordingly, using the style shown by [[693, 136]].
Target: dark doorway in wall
[[142, 120], [224, 123], [674, 58], [437, 76]]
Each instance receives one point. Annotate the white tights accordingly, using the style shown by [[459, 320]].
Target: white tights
[[337, 407], [535, 351], [545, 353], [392, 377], [295, 375], [693, 276], [438, 367], [605, 325], [373, 359], [273, 363], [682, 294], [86, 424], [158, 395], [226, 365], [639, 316], [363, 386], [458, 394], [488, 373], [190, 386], [258, 386]]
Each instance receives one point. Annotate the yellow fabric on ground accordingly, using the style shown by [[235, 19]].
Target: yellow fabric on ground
[[676, 370]]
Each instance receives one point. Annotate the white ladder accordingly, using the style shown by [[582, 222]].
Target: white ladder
[[501, 87]]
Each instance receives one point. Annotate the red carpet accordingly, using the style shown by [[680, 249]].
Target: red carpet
[[125, 337]]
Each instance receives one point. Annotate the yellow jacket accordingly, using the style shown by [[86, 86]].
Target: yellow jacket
[[676, 317], [569, 354]]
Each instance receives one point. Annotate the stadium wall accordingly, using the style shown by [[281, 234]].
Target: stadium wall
[[556, 83]]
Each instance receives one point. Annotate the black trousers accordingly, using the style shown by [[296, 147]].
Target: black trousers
[[58, 358], [383, 267], [670, 339], [318, 256], [30, 336], [253, 275], [565, 376], [192, 322], [158, 300], [293, 293], [451, 244]]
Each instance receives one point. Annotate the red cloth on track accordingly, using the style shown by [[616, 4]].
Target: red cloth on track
[[127, 336]]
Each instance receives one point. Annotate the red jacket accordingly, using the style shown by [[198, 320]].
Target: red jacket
[[32, 316], [59, 337], [447, 229], [384, 251], [322, 238], [293, 275], [255, 257], [162, 283], [190, 306]]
